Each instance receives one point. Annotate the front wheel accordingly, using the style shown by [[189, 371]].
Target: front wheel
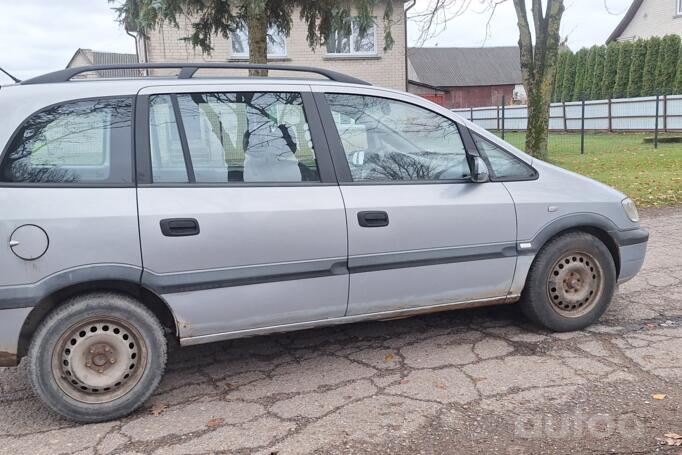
[[570, 284], [97, 357]]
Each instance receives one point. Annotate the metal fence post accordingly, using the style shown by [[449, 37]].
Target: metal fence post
[[658, 97], [503, 105], [610, 118], [582, 126]]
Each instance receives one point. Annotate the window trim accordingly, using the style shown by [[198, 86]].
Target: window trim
[[323, 157], [491, 171], [339, 154], [133, 127], [245, 55], [351, 54]]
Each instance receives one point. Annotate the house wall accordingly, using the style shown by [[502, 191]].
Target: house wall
[[386, 68], [459, 97], [654, 18]]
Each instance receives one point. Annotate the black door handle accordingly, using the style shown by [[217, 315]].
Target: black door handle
[[179, 227], [373, 219]]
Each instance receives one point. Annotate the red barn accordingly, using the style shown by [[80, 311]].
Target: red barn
[[457, 77]]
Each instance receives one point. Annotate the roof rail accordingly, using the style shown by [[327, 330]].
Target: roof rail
[[187, 71]]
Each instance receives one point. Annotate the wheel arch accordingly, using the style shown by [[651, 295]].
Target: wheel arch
[[58, 297], [591, 223]]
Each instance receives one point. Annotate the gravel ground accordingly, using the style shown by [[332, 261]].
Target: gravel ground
[[470, 381]]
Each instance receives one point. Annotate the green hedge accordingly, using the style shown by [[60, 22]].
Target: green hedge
[[621, 69]]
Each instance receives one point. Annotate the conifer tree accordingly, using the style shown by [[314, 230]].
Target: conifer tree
[[637, 69], [620, 87]]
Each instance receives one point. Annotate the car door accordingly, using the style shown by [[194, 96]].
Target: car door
[[242, 223], [420, 233]]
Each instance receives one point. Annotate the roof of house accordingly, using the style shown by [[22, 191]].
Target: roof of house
[[629, 15], [464, 66], [105, 58]]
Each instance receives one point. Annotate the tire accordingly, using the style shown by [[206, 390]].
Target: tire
[[570, 284], [97, 357]]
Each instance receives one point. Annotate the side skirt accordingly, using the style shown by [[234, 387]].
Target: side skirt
[[384, 315]]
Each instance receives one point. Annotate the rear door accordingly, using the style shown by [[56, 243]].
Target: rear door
[[242, 222], [67, 199], [420, 233]]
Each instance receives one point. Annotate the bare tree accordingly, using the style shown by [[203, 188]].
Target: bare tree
[[538, 59]]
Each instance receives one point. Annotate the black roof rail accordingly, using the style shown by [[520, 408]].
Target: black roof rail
[[187, 71]]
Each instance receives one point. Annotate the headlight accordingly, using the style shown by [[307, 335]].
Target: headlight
[[630, 210]]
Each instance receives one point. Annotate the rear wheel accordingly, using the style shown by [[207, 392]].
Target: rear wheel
[[97, 357], [570, 284]]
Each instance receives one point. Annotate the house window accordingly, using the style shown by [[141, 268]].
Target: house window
[[342, 43], [277, 43], [679, 7]]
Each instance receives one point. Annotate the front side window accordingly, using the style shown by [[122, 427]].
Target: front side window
[[503, 165], [387, 140], [277, 42], [244, 137], [350, 42], [77, 142]]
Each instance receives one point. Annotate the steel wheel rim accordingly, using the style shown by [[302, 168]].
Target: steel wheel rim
[[99, 360], [575, 284]]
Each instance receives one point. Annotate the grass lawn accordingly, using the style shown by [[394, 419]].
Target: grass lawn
[[651, 177]]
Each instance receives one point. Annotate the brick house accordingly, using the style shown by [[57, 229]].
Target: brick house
[[458, 77], [364, 58], [647, 18]]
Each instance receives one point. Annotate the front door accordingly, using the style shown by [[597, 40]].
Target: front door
[[420, 233], [242, 223]]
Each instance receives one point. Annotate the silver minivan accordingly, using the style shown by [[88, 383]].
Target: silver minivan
[[141, 212]]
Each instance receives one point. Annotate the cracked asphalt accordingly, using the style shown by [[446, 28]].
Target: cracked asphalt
[[469, 381]]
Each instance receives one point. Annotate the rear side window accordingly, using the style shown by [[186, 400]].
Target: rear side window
[[242, 137], [84, 142]]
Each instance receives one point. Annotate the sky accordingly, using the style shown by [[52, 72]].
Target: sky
[[38, 36]]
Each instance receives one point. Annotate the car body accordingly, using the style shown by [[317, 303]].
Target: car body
[[333, 211]]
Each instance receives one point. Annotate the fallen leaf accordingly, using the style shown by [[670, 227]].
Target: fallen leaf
[[404, 381], [388, 357], [672, 436], [440, 386], [215, 423], [659, 396], [158, 409]]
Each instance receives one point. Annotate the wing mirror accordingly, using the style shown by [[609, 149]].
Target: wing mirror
[[479, 170]]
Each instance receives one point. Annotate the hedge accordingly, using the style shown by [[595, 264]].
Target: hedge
[[621, 69]]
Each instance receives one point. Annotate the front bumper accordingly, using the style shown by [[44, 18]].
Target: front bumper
[[11, 322], [632, 251]]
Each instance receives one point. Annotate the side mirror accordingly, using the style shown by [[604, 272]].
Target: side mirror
[[479, 171]]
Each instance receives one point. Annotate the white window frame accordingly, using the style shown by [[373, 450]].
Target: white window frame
[[679, 8], [245, 55], [352, 52]]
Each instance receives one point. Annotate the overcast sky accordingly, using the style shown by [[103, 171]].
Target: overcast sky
[[37, 36]]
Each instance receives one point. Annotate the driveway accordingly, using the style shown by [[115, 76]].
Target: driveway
[[470, 381]]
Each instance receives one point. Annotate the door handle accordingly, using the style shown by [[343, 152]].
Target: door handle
[[179, 227], [373, 219]]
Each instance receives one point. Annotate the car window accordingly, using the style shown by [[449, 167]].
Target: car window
[[503, 165], [85, 141], [389, 140], [235, 137], [168, 161]]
